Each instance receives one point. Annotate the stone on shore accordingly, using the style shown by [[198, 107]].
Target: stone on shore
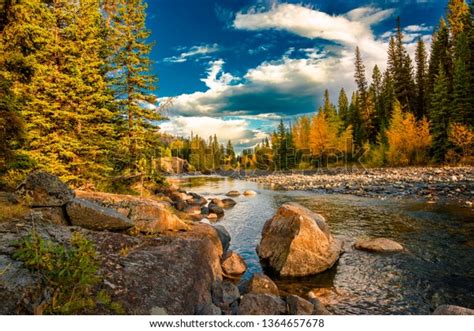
[[379, 245], [453, 310], [233, 265], [297, 242], [233, 193], [90, 215], [261, 304], [260, 284], [249, 193], [299, 306], [218, 202], [41, 189]]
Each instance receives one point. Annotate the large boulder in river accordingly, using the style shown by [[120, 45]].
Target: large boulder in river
[[90, 215], [297, 242], [233, 265], [453, 310], [233, 193], [228, 203], [215, 209], [379, 245], [171, 274], [261, 304], [41, 189]]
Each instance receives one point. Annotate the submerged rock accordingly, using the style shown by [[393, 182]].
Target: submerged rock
[[233, 265], [90, 215], [297, 242], [233, 193], [228, 203], [261, 304], [453, 310], [379, 245], [259, 284], [41, 189]]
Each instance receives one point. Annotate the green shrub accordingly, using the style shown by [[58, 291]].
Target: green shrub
[[69, 271]]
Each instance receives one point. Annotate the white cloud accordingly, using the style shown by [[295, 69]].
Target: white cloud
[[237, 130], [216, 78], [200, 51]]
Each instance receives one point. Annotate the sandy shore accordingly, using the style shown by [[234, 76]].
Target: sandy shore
[[428, 184]]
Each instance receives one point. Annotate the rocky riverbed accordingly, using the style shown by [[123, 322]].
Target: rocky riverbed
[[427, 184]]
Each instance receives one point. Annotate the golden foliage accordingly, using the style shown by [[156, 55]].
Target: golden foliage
[[462, 137], [409, 141]]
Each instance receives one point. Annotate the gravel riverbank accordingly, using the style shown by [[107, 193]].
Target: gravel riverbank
[[429, 184]]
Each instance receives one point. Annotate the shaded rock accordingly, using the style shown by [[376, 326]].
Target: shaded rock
[[453, 310], [208, 309], [261, 304], [298, 306], [215, 209], [224, 236], [379, 245], [204, 210], [233, 265], [318, 307], [180, 197], [224, 294], [180, 205], [297, 242], [173, 272], [54, 215], [249, 193], [233, 193], [93, 216], [217, 202], [212, 216], [41, 189], [260, 284], [228, 203], [197, 199]]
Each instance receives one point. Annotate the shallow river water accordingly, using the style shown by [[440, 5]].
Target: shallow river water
[[437, 269]]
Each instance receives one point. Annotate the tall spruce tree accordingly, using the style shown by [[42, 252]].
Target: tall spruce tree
[[131, 71], [343, 107], [421, 107], [440, 109]]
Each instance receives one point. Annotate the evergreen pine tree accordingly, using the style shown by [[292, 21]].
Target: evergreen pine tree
[[440, 108], [343, 107], [421, 80]]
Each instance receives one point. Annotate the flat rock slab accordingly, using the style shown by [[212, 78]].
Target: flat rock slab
[[90, 215], [379, 245]]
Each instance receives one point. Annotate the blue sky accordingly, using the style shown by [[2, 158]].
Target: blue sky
[[235, 67]]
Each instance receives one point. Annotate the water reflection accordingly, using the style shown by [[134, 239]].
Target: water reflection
[[437, 269]]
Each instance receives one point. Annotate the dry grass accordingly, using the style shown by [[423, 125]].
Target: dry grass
[[10, 211]]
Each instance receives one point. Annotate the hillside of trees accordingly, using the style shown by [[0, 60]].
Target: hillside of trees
[[418, 112], [76, 99]]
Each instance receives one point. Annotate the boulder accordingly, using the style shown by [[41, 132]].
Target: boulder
[[217, 202], [224, 236], [197, 199], [261, 304], [215, 209], [173, 165], [54, 215], [93, 216], [148, 215], [166, 274], [41, 189], [379, 245], [453, 310], [298, 306], [297, 242], [233, 265], [260, 284], [192, 210], [224, 294], [318, 307], [208, 309], [228, 203], [233, 193], [212, 216], [250, 193]]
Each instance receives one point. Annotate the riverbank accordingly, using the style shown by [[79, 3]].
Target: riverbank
[[422, 183]]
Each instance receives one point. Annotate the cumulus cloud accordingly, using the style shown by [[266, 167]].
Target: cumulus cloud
[[198, 51], [237, 130]]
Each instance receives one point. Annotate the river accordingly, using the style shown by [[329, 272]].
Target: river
[[437, 269]]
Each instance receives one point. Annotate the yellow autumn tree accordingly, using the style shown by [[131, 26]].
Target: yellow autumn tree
[[301, 131], [409, 141], [462, 138]]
